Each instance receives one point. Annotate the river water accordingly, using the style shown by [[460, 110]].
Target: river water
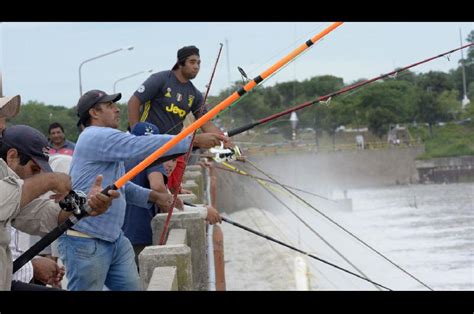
[[427, 230]]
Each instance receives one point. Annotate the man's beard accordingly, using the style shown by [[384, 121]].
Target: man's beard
[[190, 76]]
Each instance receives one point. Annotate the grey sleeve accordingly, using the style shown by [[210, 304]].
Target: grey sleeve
[[10, 197], [150, 88], [39, 217]]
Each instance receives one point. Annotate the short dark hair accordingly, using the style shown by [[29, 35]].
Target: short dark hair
[[4, 148], [179, 63], [55, 125], [87, 119]]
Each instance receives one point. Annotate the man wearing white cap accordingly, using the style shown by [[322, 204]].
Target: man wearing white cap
[[9, 107]]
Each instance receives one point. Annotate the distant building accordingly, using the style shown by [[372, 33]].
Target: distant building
[[398, 135]]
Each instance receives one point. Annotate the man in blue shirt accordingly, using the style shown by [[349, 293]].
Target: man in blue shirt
[[96, 252]]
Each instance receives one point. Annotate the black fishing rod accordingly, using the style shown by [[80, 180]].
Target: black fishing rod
[[301, 251], [75, 202], [329, 96]]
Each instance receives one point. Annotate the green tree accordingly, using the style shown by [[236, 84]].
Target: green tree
[[449, 104], [434, 106], [321, 85], [40, 116], [379, 120], [435, 81], [429, 109], [398, 97], [332, 116]]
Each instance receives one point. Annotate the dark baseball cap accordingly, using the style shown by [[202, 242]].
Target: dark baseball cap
[[185, 52], [91, 98], [145, 128], [30, 142]]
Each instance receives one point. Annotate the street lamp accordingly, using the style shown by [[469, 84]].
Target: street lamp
[[465, 100], [294, 123], [100, 56], [129, 76]]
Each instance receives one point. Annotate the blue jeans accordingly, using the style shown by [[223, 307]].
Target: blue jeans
[[92, 263]]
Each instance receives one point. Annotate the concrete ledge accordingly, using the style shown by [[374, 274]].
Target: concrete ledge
[[196, 237], [192, 175], [192, 198], [193, 168], [193, 187], [195, 176], [178, 256], [177, 236], [164, 279]]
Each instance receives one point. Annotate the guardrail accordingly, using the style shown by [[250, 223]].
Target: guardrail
[[312, 147]]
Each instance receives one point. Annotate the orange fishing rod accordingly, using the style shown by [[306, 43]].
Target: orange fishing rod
[[218, 108]]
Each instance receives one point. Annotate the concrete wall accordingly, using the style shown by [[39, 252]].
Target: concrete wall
[[177, 255], [181, 263], [327, 174], [195, 238], [452, 169]]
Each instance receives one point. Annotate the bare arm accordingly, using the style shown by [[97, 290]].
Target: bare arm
[[133, 111], [210, 127], [39, 184], [162, 200], [157, 182]]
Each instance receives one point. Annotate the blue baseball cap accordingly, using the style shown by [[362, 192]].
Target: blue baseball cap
[[145, 128]]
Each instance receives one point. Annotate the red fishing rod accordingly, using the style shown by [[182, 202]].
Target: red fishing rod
[[329, 96]]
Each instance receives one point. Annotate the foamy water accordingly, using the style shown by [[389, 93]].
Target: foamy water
[[428, 230]]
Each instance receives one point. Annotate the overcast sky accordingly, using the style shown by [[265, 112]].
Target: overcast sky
[[40, 61]]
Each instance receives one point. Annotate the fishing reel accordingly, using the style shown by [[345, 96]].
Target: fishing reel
[[225, 154], [75, 202]]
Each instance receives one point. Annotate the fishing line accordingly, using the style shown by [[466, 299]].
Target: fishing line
[[340, 226]]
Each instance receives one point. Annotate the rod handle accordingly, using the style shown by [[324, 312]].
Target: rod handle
[[241, 129]]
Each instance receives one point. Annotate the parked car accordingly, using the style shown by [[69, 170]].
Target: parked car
[[308, 130], [272, 130]]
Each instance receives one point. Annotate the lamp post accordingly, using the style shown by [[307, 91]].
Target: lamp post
[[294, 123], [97, 57], [465, 100], [129, 76]]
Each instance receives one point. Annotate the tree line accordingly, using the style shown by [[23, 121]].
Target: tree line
[[426, 98], [409, 98]]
